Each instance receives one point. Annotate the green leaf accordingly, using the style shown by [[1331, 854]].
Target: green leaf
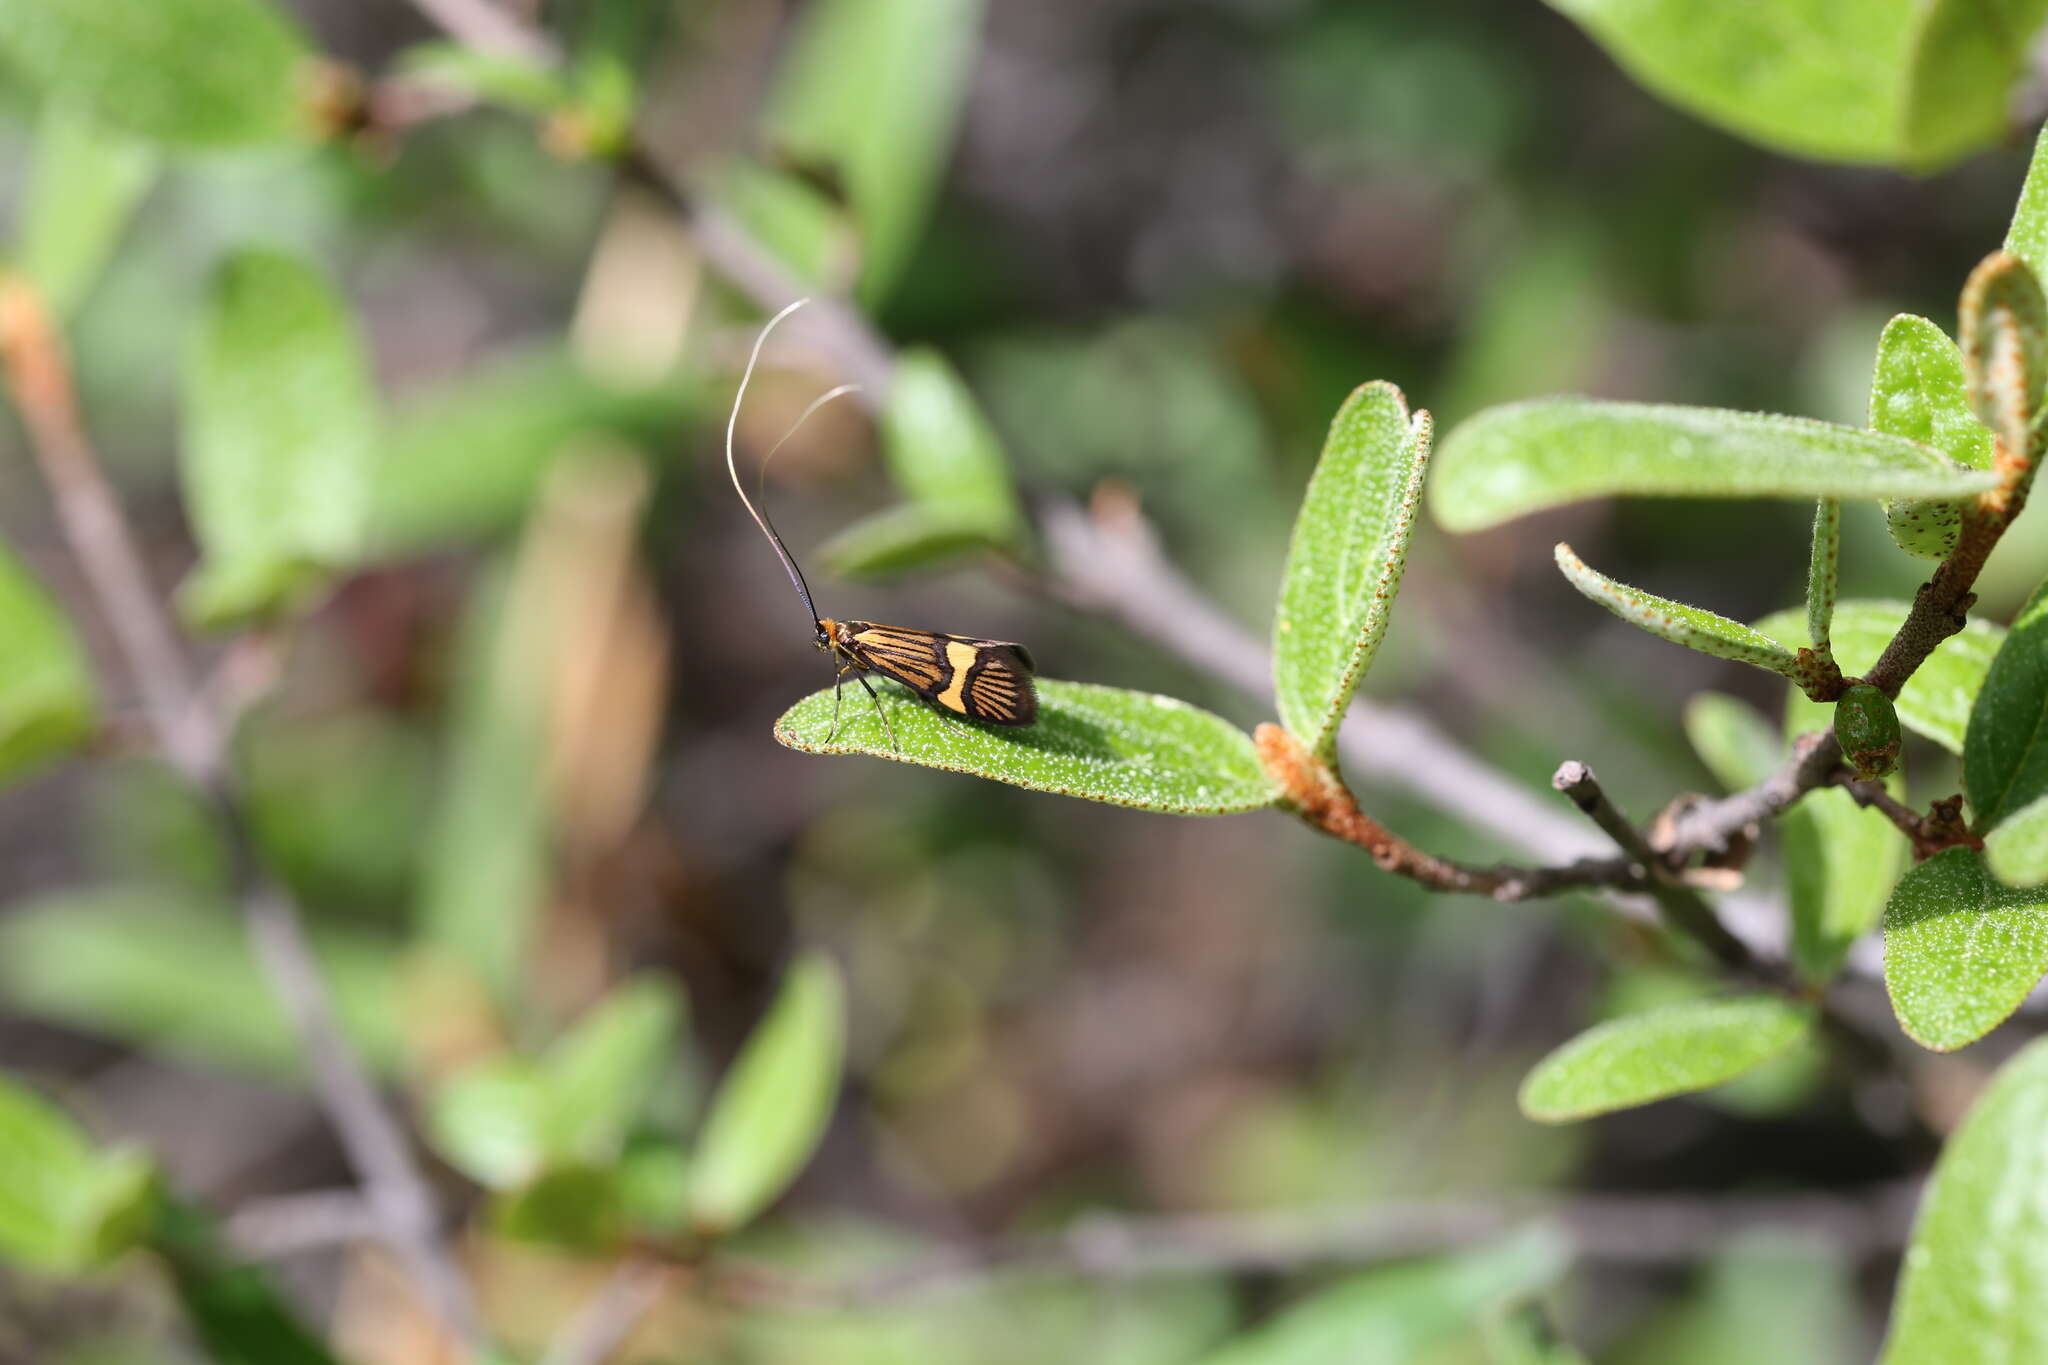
[[1404, 1314], [280, 437], [463, 461], [1098, 743], [47, 699], [1523, 457], [485, 853], [1821, 575], [2027, 237], [83, 189], [579, 1207], [2017, 849], [1960, 951], [597, 1078], [2005, 754], [1936, 700], [236, 1311], [180, 978], [65, 1205], [1803, 1289], [773, 1105], [873, 89], [1345, 559], [196, 74], [941, 449], [486, 1120], [515, 82], [1883, 81], [1739, 747], [899, 539], [1841, 861], [1674, 621], [1918, 392], [1976, 1272], [1966, 56], [1523, 1334], [1651, 1056]]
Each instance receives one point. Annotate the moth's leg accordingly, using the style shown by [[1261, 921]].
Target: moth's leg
[[837, 683], [880, 712]]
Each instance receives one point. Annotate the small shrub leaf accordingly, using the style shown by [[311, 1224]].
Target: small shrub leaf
[[196, 74], [598, 1076], [1961, 951], [1675, 1050], [772, 1107], [85, 184], [280, 437], [1345, 560], [2005, 346], [2005, 753], [941, 449], [1976, 1271], [1918, 392], [1523, 457], [2017, 850], [1098, 743], [65, 1204], [1676, 622], [48, 703], [1739, 747]]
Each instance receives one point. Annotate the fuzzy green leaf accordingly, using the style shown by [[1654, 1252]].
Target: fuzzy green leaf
[[1961, 951], [2017, 849], [2005, 754], [1918, 392], [200, 74], [941, 449], [1739, 747], [1674, 621], [2027, 236], [65, 1205], [1889, 82], [1344, 562], [1821, 569], [47, 698], [1976, 1272], [1841, 860], [1936, 700], [280, 437], [1524, 457], [85, 184], [899, 539], [579, 1207], [872, 90], [1098, 743], [1405, 1313], [772, 1107], [1663, 1052], [513, 81]]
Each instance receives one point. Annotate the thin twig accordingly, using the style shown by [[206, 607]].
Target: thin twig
[[194, 739], [482, 25], [1682, 906]]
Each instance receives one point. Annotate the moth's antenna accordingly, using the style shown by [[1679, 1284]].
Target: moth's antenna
[[761, 474], [731, 423]]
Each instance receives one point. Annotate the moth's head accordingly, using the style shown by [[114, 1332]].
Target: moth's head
[[828, 631]]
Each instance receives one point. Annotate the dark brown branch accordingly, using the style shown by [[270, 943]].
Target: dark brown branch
[[1683, 907]]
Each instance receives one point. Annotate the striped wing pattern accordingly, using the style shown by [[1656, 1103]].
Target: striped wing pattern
[[984, 680]]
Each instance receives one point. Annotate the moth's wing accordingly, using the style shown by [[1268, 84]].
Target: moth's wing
[[998, 688], [915, 658]]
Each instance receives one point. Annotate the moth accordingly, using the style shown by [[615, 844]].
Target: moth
[[982, 680]]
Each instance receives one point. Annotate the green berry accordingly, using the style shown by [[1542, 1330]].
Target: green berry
[[1867, 728]]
